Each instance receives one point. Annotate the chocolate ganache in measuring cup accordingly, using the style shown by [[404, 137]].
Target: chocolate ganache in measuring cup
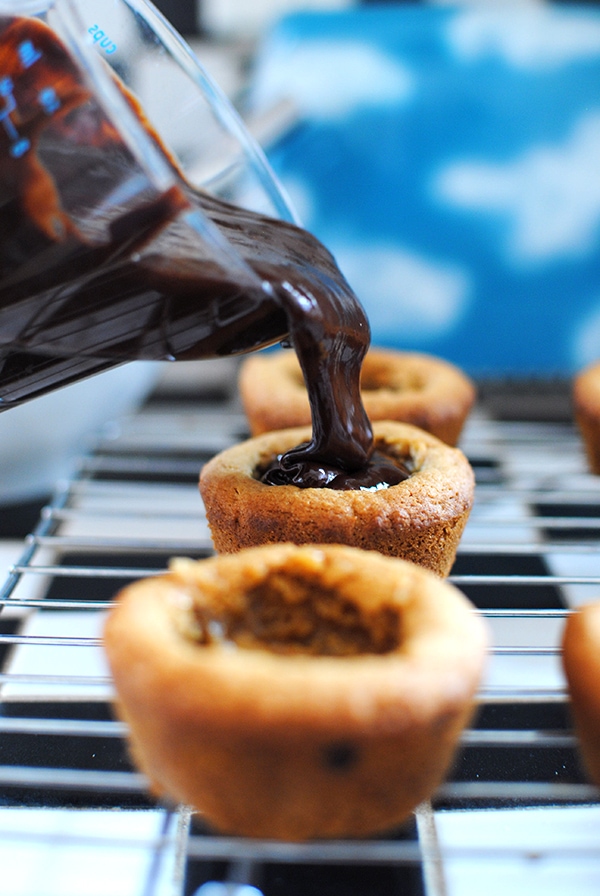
[[98, 267]]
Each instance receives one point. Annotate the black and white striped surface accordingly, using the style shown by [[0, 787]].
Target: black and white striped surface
[[516, 811]]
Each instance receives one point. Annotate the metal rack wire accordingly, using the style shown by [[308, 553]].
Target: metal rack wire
[[529, 555]]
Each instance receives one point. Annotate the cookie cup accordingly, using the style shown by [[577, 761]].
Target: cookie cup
[[406, 386], [421, 519], [295, 692], [586, 405], [581, 662]]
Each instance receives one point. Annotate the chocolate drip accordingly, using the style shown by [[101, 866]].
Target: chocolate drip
[[327, 326], [81, 292], [377, 473]]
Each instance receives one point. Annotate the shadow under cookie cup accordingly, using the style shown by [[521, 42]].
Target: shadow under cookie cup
[[420, 519], [239, 703]]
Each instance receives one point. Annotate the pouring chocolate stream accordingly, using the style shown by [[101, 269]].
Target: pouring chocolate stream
[[142, 290]]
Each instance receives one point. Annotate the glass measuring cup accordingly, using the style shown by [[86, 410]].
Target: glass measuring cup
[[109, 251]]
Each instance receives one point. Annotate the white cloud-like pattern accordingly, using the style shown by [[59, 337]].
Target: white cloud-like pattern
[[535, 37], [549, 196], [405, 295], [330, 79]]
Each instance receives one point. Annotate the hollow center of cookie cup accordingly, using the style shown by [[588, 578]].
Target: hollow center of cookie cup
[[381, 376], [298, 616]]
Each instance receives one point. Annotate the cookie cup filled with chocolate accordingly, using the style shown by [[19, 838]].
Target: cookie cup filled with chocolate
[[295, 692], [410, 387], [586, 405], [420, 519]]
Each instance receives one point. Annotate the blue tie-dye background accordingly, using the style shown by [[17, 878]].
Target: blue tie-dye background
[[450, 159]]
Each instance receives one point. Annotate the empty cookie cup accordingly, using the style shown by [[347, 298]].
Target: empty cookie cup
[[586, 404], [295, 692], [581, 662], [409, 387]]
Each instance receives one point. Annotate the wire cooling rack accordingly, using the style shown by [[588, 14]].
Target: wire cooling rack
[[75, 816]]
